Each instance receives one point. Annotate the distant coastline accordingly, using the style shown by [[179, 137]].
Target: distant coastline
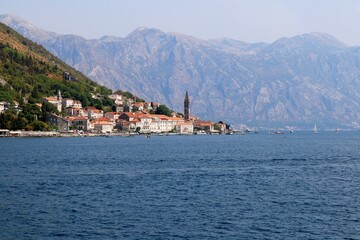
[[40, 134]]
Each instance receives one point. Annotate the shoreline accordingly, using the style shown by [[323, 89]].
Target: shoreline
[[39, 134], [31, 134]]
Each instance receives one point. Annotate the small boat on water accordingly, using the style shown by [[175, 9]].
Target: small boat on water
[[200, 132], [315, 129], [277, 132]]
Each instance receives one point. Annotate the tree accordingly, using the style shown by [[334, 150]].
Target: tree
[[134, 109], [35, 92], [139, 100], [19, 123], [162, 109], [10, 120], [97, 104], [217, 128], [31, 112], [127, 94], [106, 101], [46, 110], [119, 92], [7, 119], [37, 126]]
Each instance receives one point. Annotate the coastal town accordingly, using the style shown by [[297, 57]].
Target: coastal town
[[130, 117]]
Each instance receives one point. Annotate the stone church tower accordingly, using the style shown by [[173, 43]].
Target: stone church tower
[[186, 107], [59, 101]]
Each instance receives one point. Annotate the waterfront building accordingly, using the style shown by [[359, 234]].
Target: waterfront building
[[185, 128], [63, 124], [80, 123], [201, 125], [103, 125]]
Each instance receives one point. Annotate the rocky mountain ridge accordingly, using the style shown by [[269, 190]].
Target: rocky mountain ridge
[[299, 81]]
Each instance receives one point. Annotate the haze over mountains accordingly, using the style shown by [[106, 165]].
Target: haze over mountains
[[299, 81]]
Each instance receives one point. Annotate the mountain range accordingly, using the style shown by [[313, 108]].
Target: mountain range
[[298, 81]]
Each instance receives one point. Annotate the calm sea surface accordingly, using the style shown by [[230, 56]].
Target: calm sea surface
[[257, 186]]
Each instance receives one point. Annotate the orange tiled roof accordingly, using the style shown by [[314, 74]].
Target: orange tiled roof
[[102, 123], [71, 118], [133, 114], [103, 119], [144, 116], [51, 98], [175, 118], [138, 104], [184, 124], [158, 115]]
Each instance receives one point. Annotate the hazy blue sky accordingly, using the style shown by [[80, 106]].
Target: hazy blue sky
[[251, 20]]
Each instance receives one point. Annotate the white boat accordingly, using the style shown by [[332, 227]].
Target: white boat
[[315, 129], [201, 132], [277, 132]]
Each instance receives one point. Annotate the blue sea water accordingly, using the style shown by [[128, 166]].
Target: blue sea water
[[256, 186]]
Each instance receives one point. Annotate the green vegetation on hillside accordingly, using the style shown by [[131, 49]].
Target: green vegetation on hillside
[[130, 95], [163, 109], [31, 72], [28, 72]]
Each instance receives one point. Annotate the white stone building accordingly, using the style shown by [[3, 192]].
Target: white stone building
[[94, 113], [185, 128]]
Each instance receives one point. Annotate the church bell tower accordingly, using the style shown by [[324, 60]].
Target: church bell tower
[[186, 107], [59, 101]]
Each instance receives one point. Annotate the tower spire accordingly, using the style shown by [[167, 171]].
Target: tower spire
[[59, 101], [186, 107], [59, 97]]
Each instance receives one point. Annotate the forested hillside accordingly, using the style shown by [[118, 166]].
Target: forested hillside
[[28, 72]]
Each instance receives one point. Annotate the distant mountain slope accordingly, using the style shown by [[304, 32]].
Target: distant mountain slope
[[306, 79]]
